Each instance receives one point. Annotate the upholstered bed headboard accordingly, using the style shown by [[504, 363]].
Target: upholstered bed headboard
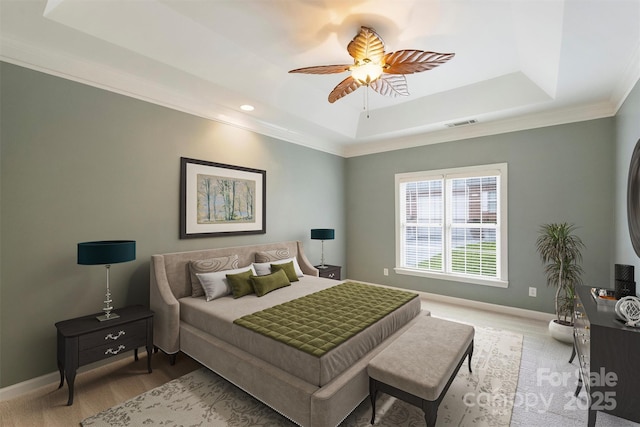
[[171, 280]]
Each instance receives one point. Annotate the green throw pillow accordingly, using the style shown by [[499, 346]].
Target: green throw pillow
[[288, 268], [264, 284], [240, 283]]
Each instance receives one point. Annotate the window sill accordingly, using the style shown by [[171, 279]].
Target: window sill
[[456, 278]]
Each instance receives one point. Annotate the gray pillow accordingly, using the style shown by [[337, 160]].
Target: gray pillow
[[264, 268], [209, 266], [272, 255]]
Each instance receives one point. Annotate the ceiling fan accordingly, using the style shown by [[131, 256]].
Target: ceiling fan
[[372, 67]]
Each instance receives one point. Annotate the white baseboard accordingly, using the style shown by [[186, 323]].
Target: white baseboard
[[17, 390], [496, 308], [52, 378]]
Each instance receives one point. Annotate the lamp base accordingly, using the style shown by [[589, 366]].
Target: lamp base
[[109, 316], [322, 267]]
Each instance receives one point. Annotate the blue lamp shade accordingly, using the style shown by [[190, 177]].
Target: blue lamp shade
[[106, 252], [323, 233]]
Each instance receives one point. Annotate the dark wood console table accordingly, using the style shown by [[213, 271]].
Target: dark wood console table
[[609, 358]]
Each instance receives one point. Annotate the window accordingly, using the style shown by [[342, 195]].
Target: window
[[452, 224]]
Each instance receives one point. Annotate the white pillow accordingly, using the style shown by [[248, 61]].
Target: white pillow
[[264, 268], [215, 284]]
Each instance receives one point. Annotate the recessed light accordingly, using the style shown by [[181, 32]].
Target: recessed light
[[247, 107]]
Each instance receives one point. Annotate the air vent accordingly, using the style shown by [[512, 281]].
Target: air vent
[[462, 123]]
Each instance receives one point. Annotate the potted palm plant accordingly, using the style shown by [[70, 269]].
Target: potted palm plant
[[560, 251]]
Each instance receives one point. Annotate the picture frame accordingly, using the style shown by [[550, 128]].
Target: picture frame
[[221, 200]]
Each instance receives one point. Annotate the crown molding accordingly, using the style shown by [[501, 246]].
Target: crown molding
[[524, 122], [108, 78], [630, 76]]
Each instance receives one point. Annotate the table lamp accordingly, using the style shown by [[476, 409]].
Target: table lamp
[[105, 253], [322, 234]]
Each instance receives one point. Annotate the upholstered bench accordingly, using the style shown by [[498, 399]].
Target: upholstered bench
[[421, 364]]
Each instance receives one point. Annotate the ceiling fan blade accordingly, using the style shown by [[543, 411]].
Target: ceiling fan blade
[[413, 61], [344, 88], [322, 69], [367, 44], [392, 85]]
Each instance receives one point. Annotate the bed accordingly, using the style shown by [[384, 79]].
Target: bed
[[312, 387]]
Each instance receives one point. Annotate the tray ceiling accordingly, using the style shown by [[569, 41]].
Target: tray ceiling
[[518, 64]]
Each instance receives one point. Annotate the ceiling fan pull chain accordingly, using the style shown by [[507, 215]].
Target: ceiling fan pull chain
[[366, 100]]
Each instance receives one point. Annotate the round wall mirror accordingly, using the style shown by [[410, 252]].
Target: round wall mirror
[[633, 199]]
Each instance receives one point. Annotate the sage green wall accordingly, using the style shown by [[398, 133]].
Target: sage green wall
[[559, 173], [80, 163], [627, 136]]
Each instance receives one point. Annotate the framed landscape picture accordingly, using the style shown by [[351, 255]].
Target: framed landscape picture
[[221, 200]]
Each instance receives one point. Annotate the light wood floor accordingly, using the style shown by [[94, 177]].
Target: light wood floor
[[95, 391], [106, 386]]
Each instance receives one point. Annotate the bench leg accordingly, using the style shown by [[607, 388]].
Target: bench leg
[[470, 355], [373, 391], [430, 410]]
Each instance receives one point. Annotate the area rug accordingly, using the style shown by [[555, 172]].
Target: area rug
[[202, 398]]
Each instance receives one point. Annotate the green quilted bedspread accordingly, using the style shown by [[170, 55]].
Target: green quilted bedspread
[[321, 321]]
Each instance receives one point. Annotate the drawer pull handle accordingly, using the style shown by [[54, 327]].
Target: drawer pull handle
[[332, 275], [112, 351], [111, 337]]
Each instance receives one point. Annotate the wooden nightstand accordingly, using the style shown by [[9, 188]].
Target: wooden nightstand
[[330, 272], [86, 339]]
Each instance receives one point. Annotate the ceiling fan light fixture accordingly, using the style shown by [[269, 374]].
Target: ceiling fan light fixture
[[366, 72], [373, 68]]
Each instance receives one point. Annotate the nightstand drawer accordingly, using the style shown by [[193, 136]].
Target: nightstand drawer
[[114, 336], [329, 272], [112, 348]]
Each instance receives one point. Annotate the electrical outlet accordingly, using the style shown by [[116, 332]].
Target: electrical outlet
[[532, 291], [385, 271]]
